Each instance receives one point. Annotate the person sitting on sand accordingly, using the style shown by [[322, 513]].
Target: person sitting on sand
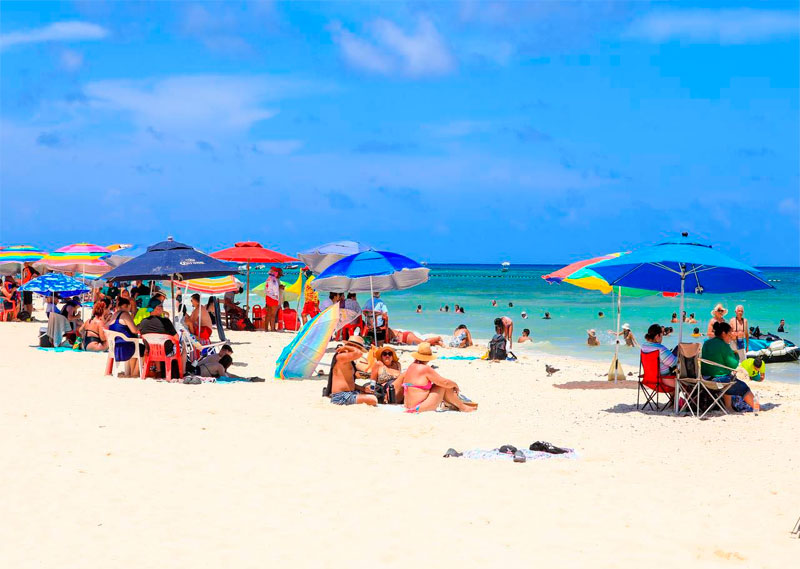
[[755, 368], [592, 340], [526, 336], [719, 351], [462, 337], [424, 389], [387, 370], [93, 331], [71, 313], [508, 329], [232, 307], [342, 387], [199, 321], [667, 359]]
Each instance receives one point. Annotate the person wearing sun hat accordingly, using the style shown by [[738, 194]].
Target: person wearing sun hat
[[717, 315], [386, 370], [272, 296], [424, 389], [630, 339], [342, 387]]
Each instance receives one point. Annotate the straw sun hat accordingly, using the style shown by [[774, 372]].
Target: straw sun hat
[[717, 307], [423, 353], [385, 349], [356, 342]]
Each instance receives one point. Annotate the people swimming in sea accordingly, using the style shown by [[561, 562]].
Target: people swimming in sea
[[494, 303], [626, 334], [511, 305], [692, 319], [523, 315], [424, 389], [601, 315], [674, 317], [546, 316], [526, 336], [447, 308], [419, 309], [696, 332], [591, 339], [782, 325]]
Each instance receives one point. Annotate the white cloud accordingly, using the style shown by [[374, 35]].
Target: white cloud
[[737, 26], [391, 50], [192, 103], [59, 31], [277, 147], [71, 60]]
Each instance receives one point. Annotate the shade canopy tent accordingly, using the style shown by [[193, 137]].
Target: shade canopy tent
[[320, 258], [77, 258], [14, 257], [681, 266], [251, 252], [55, 282], [170, 260]]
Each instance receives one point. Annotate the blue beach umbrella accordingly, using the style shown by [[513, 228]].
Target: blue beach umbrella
[[370, 271], [55, 282], [320, 258]]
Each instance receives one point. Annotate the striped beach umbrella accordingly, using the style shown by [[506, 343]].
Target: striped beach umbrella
[[77, 258], [13, 257], [211, 285]]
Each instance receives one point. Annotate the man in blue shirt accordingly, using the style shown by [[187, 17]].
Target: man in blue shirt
[[381, 315]]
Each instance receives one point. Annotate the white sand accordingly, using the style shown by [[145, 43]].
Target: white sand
[[107, 472]]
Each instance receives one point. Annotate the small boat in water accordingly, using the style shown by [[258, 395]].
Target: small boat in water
[[771, 348], [504, 266]]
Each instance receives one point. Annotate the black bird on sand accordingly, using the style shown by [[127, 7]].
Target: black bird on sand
[[550, 369]]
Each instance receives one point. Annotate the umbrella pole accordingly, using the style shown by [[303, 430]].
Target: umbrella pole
[[172, 294], [680, 338], [374, 319], [247, 299], [300, 300], [616, 341]]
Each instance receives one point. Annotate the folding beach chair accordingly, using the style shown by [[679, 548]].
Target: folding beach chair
[[700, 395], [652, 384]]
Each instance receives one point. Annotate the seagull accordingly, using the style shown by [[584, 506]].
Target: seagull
[[550, 369]]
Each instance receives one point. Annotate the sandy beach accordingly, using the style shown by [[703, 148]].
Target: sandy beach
[[108, 472]]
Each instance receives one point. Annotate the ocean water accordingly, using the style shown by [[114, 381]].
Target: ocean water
[[574, 310]]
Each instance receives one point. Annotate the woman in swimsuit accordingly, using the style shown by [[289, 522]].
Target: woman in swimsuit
[[424, 389], [409, 338], [387, 369], [93, 331], [122, 322], [718, 315]]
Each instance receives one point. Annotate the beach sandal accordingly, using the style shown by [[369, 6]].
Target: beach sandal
[[542, 446], [507, 449], [192, 380], [519, 456], [467, 401], [256, 379], [451, 452]]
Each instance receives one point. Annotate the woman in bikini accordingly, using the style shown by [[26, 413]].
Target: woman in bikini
[[93, 331], [424, 389], [717, 315], [387, 369]]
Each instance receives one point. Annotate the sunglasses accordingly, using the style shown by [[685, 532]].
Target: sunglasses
[[384, 354]]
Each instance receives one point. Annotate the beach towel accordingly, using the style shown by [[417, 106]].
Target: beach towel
[[62, 349], [459, 357], [495, 454]]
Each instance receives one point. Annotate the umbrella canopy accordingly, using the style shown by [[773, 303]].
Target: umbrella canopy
[[13, 257], [583, 275], [320, 258], [301, 356], [170, 260], [251, 252], [371, 271], [211, 285], [291, 291], [55, 282], [681, 265], [124, 254], [76, 258], [114, 247]]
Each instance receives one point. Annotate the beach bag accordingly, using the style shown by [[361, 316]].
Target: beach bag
[[23, 315], [497, 348]]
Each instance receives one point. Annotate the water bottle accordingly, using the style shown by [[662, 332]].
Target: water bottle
[[756, 404]]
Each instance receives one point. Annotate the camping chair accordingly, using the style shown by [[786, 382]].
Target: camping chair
[[113, 338], [156, 352], [700, 395], [652, 384]]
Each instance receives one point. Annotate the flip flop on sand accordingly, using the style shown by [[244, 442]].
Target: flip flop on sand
[[507, 449], [451, 452], [542, 446]]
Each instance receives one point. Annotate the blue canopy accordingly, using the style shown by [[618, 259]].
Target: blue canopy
[[371, 271], [320, 258], [55, 282], [679, 266], [170, 260]]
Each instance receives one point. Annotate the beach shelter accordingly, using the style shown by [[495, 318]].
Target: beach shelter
[[76, 258], [170, 260], [251, 252], [14, 257], [302, 355], [211, 285], [320, 258], [371, 271], [681, 266], [55, 282], [123, 254]]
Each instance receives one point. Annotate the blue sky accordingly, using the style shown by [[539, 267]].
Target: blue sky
[[449, 131]]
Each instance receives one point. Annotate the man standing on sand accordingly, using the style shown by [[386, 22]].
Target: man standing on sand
[[342, 387]]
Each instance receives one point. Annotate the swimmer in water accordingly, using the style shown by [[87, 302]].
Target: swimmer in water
[[526, 336], [524, 315], [494, 303], [601, 315], [419, 309], [592, 340], [546, 316]]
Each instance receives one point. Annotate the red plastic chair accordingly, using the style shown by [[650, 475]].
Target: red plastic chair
[[652, 384], [7, 314], [156, 353], [350, 329], [287, 320], [258, 316]]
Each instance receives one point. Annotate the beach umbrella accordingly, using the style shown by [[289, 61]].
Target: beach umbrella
[[320, 258], [123, 254], [371, 271], [681, 266], [302, 355], [14, 257], [76, 258], [114, 247], [251, 252], [170, 260], [211, 285], [55, 282]]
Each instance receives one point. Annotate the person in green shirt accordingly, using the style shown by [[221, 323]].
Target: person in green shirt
[[718, 351], [755, 368]]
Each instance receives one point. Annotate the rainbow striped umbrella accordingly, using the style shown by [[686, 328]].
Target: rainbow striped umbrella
[[301, 357], [211, 285], [13, 257], [77, 258]]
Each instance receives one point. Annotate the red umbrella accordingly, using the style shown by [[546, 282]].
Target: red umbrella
[[251, 252]]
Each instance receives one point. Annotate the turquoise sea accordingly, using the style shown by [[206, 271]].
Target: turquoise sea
[[574, 310]]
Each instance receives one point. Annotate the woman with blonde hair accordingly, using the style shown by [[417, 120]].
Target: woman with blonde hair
[[717, 315]]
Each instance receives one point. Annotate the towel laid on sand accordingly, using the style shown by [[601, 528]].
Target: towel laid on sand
[[495, 454]]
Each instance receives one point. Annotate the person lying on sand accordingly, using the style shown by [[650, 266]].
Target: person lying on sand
[[424, 389], [461, 338], [342, 381]]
